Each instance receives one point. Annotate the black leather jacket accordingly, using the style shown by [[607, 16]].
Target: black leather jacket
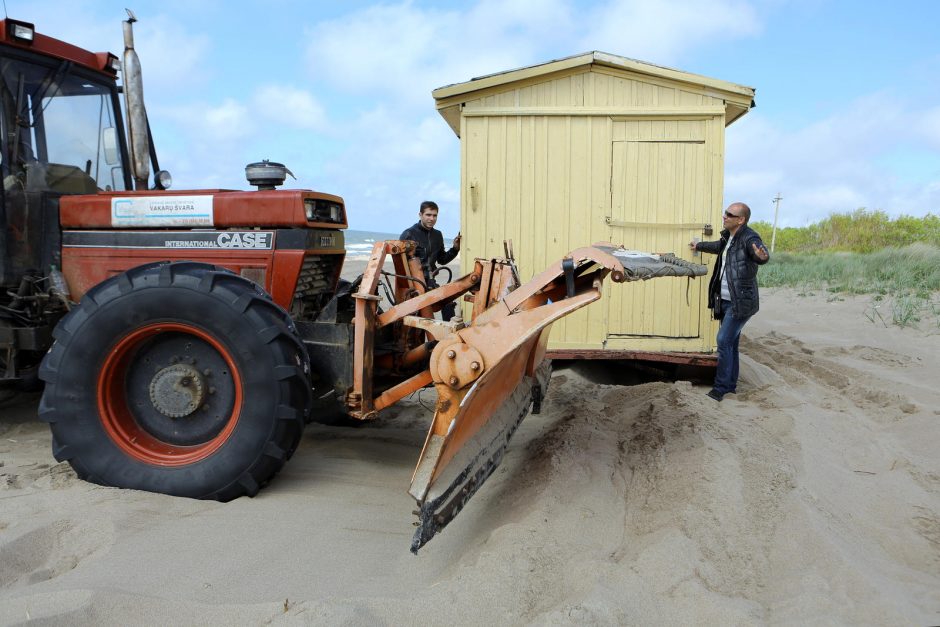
[[742, 272], [430, 248]]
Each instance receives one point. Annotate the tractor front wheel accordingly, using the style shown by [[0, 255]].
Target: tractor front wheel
[[178, 378]]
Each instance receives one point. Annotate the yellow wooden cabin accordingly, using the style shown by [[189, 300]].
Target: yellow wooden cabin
[[593, 148]]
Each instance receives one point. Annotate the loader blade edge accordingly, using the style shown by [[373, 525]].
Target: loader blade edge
[[471, 467]]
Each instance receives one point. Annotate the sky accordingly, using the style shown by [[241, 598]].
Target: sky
[[847, 92]]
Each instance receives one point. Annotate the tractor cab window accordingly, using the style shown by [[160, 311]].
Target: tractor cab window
[[58, 129]]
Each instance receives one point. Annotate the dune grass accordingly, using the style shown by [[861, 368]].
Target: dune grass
[[895, 260], [904, 282]]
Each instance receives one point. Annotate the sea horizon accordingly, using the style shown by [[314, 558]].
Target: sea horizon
[[359, 243]]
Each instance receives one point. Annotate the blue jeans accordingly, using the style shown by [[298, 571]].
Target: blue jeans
[[729, 333]]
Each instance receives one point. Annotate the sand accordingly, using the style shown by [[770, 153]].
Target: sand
[[810, 497]]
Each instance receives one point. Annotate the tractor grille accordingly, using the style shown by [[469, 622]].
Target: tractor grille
[[315, 285]]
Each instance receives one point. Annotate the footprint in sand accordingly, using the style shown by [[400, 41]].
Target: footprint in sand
[[49, 551]]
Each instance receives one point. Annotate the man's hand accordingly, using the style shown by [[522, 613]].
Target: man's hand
[[692, 245], [457, 242], [760, 252]]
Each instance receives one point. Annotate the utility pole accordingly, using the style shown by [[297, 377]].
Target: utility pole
[[773, 237]]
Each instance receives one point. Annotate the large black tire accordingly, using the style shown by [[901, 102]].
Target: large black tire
[[179, 378]]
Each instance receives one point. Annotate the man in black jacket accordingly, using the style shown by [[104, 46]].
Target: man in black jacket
[[430, 249], [732, 291]]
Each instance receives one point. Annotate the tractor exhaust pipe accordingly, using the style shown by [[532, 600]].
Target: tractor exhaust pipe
[[136, 113]]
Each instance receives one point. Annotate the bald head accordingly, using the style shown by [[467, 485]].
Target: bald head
[[742, 210]]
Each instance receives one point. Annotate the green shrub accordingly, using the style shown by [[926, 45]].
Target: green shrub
[[862, 231]]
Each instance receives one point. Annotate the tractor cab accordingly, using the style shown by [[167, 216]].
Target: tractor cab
[[59, 127], [60, 116], [60, 134]]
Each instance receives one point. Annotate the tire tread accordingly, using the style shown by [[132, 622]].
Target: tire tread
[[245, 300]]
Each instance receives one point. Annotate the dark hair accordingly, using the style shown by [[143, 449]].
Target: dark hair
[[428, 204]]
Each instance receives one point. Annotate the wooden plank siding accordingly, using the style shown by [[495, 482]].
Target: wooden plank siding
[[598, 87], [592, 153]]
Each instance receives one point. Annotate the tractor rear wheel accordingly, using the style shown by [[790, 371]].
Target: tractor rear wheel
[[179, 378]]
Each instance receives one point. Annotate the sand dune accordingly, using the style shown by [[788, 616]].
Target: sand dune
[[812, 496]]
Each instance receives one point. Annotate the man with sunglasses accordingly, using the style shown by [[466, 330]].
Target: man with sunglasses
[[732, 290]]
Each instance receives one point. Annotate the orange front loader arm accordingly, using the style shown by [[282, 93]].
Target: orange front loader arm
[[486, 372]]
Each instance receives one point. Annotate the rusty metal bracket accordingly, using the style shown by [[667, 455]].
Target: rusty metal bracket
[[626, 224]]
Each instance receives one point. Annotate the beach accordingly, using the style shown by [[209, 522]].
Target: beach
[[812, 496]]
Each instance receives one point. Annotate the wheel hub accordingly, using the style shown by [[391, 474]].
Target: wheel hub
[[177, 390]]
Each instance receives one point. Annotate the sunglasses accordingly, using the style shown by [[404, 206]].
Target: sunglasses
[[728, 214]]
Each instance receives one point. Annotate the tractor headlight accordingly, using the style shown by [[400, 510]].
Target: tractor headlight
[[21, 31], [162, 179], [322, 210], [112, 63]]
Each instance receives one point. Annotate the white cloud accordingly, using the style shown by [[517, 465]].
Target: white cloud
[[354, 116], [227, 122], [836, 164], [930, 123], [396, 145], [402, 51], [290, 106], [393, 43], [389, 163], [208, 145], [77, 23], [172, 52], [753, 179], [660, 32]]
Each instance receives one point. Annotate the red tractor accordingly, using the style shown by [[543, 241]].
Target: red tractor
[[186, 337]]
